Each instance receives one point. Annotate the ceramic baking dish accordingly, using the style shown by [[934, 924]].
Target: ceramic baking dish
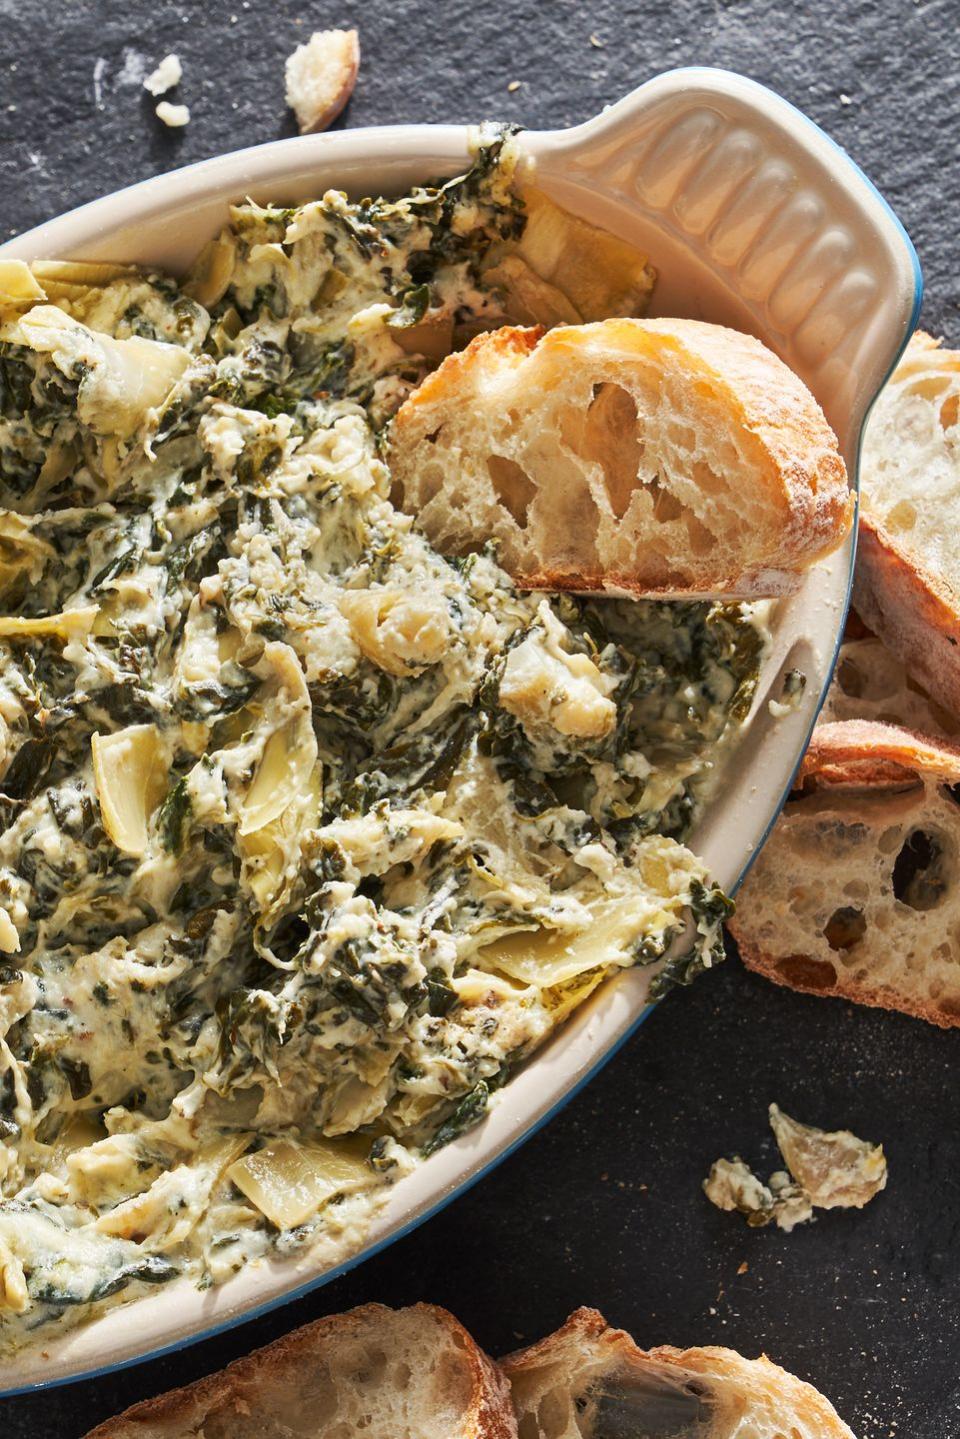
[[752, 217]]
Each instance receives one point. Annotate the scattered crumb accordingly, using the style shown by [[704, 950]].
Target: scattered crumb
[[596, 42], [320, 77], [837, 1170], [99, 71], [173, 116], [743, 1268], [514, 85], [826, 1171], [846, 100], [167, 74]]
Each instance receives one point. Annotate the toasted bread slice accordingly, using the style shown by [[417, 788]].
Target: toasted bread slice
[[587, 1381], [320, 77], [377, 1372], [647, 457], [907, 583], [856, 891]]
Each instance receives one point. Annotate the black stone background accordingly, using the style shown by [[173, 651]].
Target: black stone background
[[602, 1207]]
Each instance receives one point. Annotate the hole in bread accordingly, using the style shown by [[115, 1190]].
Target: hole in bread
[[514, 488], [802, 971], [920, 870], [850, 678], [950, 411], [610, 439], [666, 506], [528, 1428], [701, 540], [553, 1414], [845, 927]]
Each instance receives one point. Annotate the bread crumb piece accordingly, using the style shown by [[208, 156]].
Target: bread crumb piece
[[514, 85], [743, 1268], [846, 100], [167, 74], [320, 76], [173, 116], [596, 42]]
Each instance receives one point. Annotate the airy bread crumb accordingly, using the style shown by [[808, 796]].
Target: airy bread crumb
[[173, 116], [167, 74], [320, 77]]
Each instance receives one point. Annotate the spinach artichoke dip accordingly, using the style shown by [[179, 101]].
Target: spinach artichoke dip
[[308, 834]]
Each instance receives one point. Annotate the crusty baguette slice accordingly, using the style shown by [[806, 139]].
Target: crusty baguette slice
[[377, 1372], [588, 1381], [659, 457], [856, 892], [320, 77], [907, 582]]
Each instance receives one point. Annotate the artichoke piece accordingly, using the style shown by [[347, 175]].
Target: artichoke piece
[[130, 773], [596, 273], [18, 287], [211, 272], [289, 1183], [282, 778], [431, 337], [548, 957], [163, 1215], [65, 625], [22, 553], [79, 274], [121, 379], [528, 299], [836, 1169]]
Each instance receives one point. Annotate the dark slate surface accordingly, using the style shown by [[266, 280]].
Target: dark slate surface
[[603, 1207]]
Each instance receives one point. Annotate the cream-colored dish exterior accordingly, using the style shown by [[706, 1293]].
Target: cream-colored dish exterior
[[752, 218]]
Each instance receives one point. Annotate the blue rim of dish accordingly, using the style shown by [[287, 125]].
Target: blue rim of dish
[[331, 1275]]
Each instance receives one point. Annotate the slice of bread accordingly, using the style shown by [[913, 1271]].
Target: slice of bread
[[871, 683], [857, 891], [320, 77], [907, 583], [647, 457], [588, 1381], [377, 1372]]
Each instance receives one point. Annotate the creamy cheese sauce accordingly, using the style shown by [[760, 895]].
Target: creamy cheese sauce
[[308, 835]]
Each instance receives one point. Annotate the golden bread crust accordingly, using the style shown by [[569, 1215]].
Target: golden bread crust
[[253, 1384]]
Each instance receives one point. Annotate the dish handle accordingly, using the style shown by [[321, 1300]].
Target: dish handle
[[775, 213]]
